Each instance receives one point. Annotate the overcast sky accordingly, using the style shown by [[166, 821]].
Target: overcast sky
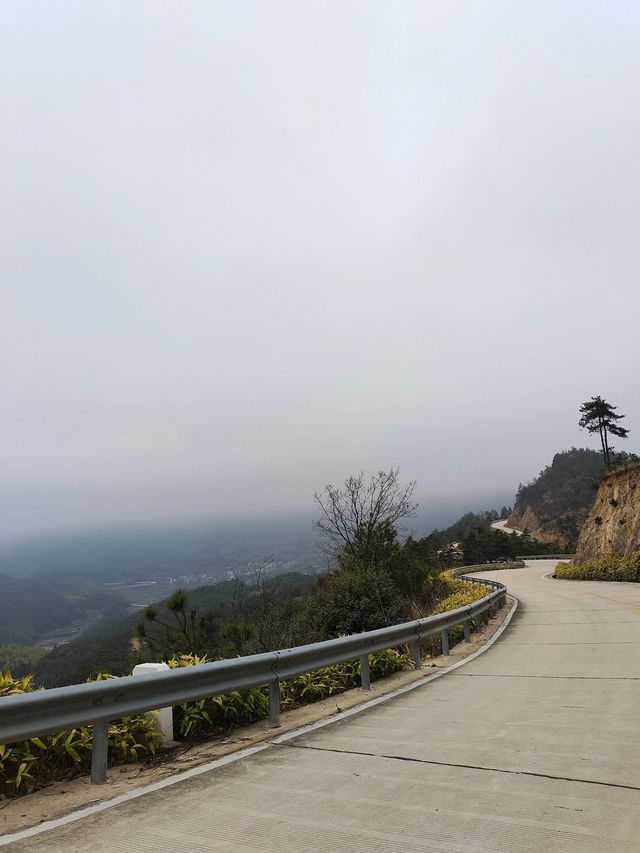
[[249, 248]]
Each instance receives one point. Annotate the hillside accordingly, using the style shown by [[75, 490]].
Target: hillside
[[554, 506], [613, 525], [113, 647], [31, 611]]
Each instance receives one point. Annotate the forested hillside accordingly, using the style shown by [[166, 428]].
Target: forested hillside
[[554, 506], [32, 610], [226, 608]]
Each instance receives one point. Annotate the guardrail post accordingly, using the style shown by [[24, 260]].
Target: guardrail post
[[415, 654], [99, 745], [467, 631], [94, 704], [445, 642], [274, 702], [365, 676]]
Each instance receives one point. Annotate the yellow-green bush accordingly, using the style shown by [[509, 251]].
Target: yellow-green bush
[[609, 568], [461, 593], [34, 763], [215, 714]]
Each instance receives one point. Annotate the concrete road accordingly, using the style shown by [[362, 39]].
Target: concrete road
[[532, 746], [502, 525]]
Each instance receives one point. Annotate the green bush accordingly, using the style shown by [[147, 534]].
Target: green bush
[[32, 764], [216, 714], [19, 659], [348, 601], [609, 568], [330, 680]]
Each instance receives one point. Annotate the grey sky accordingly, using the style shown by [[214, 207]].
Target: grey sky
[[248, 248]]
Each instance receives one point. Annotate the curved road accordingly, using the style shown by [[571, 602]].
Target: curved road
[[502, 525], [532, 746]]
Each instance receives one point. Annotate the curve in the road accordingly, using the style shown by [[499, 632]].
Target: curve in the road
[[502, 525], [530, 747]]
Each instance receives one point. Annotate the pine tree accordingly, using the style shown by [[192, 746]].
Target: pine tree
[[600, 416]]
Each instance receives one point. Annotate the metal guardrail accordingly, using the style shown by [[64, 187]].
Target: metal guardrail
[[43, 712], [488, 567], [547, 557]]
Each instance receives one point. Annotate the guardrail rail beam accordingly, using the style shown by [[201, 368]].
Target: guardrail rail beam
[[43, 712]]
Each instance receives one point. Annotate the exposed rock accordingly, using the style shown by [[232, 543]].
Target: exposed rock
[[613, 525], [554, 506]]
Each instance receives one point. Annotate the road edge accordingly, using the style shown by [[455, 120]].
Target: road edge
[[184, 775]]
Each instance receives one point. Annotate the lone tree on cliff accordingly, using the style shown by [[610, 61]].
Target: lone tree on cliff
[[600, 416], [359, 519]]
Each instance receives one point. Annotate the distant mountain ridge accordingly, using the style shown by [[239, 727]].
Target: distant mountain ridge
[[554, 506], [214, 548], [144, 552]]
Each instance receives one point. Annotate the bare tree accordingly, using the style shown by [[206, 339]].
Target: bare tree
[[359, 520], [267, 603], [262, 612]]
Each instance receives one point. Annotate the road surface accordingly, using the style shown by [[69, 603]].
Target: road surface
[[502, 525], [532, 746]]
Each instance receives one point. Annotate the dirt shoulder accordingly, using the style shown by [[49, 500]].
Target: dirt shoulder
[[61, 798]]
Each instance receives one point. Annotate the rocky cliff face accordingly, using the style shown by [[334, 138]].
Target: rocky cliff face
[[554, 506], [561, 530], [613, 525]]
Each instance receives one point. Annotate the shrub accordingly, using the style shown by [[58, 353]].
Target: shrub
[[340, 677], [35, 763], [609, 568], [216, 714], [351, 600], [461, 593]]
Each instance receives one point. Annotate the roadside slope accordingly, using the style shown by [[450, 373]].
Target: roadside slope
[[531, 746]]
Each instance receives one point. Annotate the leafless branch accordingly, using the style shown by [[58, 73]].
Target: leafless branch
[[352, 515]]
